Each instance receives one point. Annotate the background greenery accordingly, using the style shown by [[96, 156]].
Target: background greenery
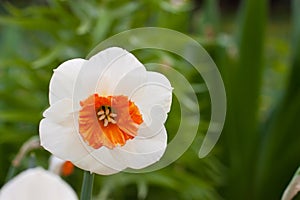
[[256, 48]]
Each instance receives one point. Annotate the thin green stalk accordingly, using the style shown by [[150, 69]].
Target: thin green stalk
[[293, 187], [87, 186], [11, 173]]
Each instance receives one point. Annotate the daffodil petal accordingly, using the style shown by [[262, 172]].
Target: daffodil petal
[[61, 141], [60, 111], [103, 155], [55, 164], [90, 163], [121, 76], [153, 99], [155, 91], [102, 72], [59, 135], [127, 84], [139, 153], [36, 184], [153, 122], [63, 80], [68, 147]]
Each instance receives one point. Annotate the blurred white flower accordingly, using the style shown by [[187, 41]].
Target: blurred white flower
[[60, 167], [107, 113], [37, 184]]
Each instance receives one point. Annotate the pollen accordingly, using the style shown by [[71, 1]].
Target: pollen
[[106, 115], [108, 121]]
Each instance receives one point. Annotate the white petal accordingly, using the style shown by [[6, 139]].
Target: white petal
[[37, 184], [61, 141], [63, 80], [60, 136], [60, 111], [102, 72], [124, 71], [103, 156], [156, 90], [154, 99], [153, 122], [64, 143], [127, 84], [139, 153], [55, 164], [90, 163]]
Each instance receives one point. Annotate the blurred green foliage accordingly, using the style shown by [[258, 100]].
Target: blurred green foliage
[[259, 148]]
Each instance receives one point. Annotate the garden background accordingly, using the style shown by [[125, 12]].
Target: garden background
[[254, 43]]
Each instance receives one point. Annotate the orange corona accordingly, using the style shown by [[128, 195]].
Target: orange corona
[[108, 121]]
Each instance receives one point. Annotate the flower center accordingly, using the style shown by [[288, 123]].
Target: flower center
[[106, 115], [108, 121]]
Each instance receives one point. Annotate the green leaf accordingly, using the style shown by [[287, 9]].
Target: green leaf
[[282, 129], [243, 89]]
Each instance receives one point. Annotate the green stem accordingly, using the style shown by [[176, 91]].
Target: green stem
[[87, 186], [292, 189], [11, 173]]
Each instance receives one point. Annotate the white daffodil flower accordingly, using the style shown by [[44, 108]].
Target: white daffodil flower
[[37, 184], [107, 113]]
